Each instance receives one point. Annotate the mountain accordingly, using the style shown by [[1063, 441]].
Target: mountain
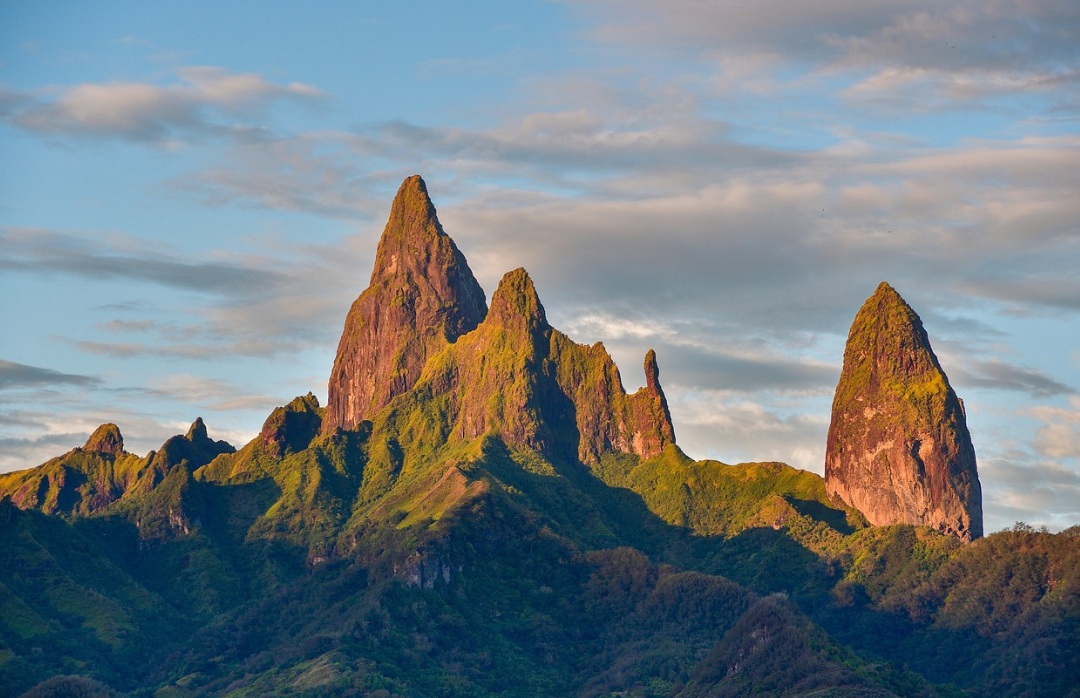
[[422, 323], [422, 295], [499, 518], [898, 448], [101, 472], [517, 377]]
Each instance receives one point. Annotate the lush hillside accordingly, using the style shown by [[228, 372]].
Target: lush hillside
[[365, 562], [483, 510]]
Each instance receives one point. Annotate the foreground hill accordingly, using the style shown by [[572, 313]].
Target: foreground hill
[[485, 511]]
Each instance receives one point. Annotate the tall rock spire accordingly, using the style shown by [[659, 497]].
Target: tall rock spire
[[651, 423], [899, 449], [422, 327], [422, 295]]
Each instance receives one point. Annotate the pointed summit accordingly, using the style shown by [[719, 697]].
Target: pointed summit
[[422, 327], [106, 440], [899, 449], [654, 430], [516, 303], [413, 235], [197, 431], [652, 372], [422, 296]]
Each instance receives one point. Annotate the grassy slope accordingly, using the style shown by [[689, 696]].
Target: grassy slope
[[388, 559]]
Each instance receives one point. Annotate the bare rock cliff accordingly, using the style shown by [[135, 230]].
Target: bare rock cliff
[[422, 340], [422, 296], [898, 448]]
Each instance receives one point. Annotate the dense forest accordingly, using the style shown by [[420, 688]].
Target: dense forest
[[354, 564]]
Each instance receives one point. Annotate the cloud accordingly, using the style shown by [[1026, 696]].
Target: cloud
[[1031, 490], [205, 100], [16, 375], [1060, 291], [39, 252], [11, 102], [908, 52], [20, 453], [52, 427], [715, 424], [32, 437], [1059, 435], [313, 173], [574, 146], [128, 350], [741, 373], [212, 393], [255, 303], [998, 374]]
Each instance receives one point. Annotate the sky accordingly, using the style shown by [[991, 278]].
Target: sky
[[191, 194]]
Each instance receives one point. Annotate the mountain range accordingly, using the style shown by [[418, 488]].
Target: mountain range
[[481, 509]]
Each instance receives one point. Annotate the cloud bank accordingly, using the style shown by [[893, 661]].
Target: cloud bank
[[206, 100]]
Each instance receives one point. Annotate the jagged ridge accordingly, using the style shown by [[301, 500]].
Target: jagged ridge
[[503, 370]]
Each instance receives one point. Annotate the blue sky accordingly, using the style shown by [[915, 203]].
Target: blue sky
[[191, 195]]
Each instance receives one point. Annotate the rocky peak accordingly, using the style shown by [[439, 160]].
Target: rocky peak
[[413, 237], [515, 303], [196, 433], [196, 448], [422, 296], [652, 408], [422, 325], [652, 373], [292, 427], [898, 448], [106, 440]]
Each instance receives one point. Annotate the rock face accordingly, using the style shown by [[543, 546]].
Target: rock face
[[899, 449], [422, 296], [422, 329], [106, 440], [291, 428], [517, 377]]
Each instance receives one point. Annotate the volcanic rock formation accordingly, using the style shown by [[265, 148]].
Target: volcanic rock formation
[[422, 328], [519, 378], [899, 449], [106, 440], [422, 296], [101, 472]]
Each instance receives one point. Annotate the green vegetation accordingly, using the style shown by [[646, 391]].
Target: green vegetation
[[400, 560]]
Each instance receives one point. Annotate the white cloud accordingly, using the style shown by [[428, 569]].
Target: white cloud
[[15, 375], [716, 424], [312, 173], [213, 393], [142, 111], [612, 328], [256, 303], [960, 50], [1033, 490], [999, 374], [1059, 435]]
